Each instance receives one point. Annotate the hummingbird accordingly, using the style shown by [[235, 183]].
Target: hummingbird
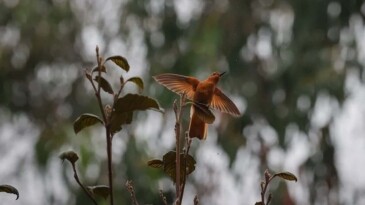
[[204, 95]]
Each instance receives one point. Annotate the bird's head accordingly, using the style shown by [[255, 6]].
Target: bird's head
[[215, 76]]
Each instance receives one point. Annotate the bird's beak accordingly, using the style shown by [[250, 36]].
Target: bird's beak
[[220, 75]]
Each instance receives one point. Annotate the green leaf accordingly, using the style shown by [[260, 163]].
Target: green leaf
[[124, 107], [155, 163], [119, 61], [170, 165], [99, 190], [119, 119], [85, 120], [138, 81], [96, 69], [104, 84], [133, 102], [9, 189], [71, 156], [286, 175]]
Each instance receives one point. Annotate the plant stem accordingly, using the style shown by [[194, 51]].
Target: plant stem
[[110, 169], [107, 128], [196, 200], [163, 197], [81, 185], [188, 143], [177, 134], [263, 190], [178, 113], [130, 188]]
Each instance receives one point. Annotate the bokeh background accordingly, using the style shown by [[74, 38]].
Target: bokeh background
[[295, 70]]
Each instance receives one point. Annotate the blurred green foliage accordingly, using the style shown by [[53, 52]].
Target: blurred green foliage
[[280, 56]]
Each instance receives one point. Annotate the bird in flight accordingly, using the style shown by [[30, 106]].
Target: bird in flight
[[204, 95]]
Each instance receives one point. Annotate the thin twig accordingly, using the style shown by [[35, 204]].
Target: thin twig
[[130, 189], [269, 199], [264, 186], [81, 185], [99, 67], [196, 200], [97, 93], [163, 197]]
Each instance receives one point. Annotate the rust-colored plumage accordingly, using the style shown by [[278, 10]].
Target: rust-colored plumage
[[204, 94]]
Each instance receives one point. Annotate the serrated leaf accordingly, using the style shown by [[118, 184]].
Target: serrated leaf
[[9, 189], [104, 84], [99, 190], [70, 156], [133, 102], [169, 161], [119, 61], [103, 69], [138, 81], [124, 107], [155, 163], [168, 164], [85, 120], [286, 175], [119, 119], [204, 113]]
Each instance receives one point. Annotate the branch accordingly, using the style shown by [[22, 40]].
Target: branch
[[130, 189], [82, 186], [264, 186], [188, 143], [107, 127], [196, 200], [163, 197], [178, 113]]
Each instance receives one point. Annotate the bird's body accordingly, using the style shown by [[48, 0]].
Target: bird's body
[[204, 95]]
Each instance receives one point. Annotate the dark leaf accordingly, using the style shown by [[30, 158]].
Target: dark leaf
[[9, 189], [120, 61], [169, 160], [168, 164], [96, 69], [286, 175], [138, 81], [133, 102], [259, 203], [85, 120], [104, 84], [124, 107], [155, 163], [70, 156], [99, 190], [119, 119]]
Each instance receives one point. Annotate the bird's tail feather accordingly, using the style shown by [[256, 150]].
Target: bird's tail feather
[[197, 127]]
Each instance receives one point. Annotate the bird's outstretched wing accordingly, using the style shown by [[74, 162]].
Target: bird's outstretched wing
[[178, 83], [222, 103]]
